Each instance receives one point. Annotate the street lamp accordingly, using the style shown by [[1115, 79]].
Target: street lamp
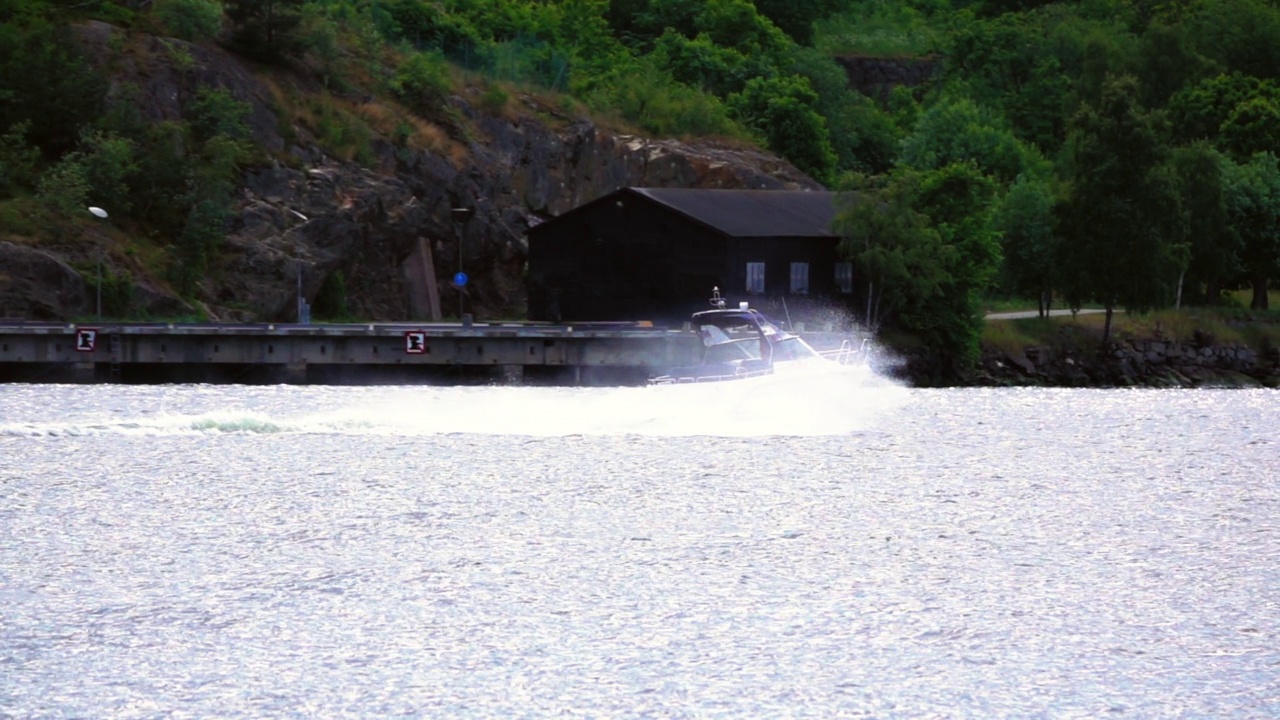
[[303, 315], [460, 217], [99, 212]]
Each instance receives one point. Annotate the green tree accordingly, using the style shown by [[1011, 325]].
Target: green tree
[[64, 188], [46, 82], [1241, 35], [863, 136], [583, 31], [1169, 61], [646, 95], [782, 111], [1199, 112], [1029, 240], [17, 160], [737, 24], [796, 17], [624, 18], [264, 29], [164, 169], [1252, 127], [657, 16], [215, 111], [956, 129], [193, 20], [204, 229], [1121, 218], [1213, 246], [1253, 205], [924, 246], [1010, 63], [896, 254], [110, 167], [702, 63], [960, 202], [423, 82]]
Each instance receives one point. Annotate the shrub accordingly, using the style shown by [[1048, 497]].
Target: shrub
[[17, 160], [117, 294], [215, 111], [494, 99], [331, 301], [109, 166], [64, 188], [199, 240], [422, 82], [193, 20]]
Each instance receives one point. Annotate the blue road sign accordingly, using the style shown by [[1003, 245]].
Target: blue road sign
[[460, 279]]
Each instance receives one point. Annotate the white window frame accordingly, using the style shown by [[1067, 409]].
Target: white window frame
[[844, 277], [755, 278], [799, 278]]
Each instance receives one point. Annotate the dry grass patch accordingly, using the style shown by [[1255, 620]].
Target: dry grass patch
[[1007, 337], [407, 129]]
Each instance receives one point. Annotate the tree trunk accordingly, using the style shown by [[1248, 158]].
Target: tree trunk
[[1106, 327], [1260, 301], [1177, 303], [1213, 292]]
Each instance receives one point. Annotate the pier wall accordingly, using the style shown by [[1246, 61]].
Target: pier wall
[[340, 354]]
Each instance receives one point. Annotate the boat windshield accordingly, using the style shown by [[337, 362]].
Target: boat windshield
[[726, 343], [722, 333], [793, 348]]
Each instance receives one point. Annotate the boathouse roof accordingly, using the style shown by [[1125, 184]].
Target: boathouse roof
[[752, 213], [735, 213]]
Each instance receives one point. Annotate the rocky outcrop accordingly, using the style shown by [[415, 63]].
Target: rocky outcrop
[[1144, 362], [878, 76], [386, 224], [382, 229], [36, 285]]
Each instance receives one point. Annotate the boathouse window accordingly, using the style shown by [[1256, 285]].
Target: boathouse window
[[755, 277], [799, 278], [844, 277]]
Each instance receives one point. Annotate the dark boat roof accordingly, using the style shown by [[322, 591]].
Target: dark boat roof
[[736, 316], [713, 317]]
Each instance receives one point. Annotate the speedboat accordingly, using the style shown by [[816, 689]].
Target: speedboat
[[739, 343]]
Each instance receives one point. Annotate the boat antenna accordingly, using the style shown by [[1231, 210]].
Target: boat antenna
[[716, 301]]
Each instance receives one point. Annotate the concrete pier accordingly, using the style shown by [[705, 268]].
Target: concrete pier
[[382, 353]]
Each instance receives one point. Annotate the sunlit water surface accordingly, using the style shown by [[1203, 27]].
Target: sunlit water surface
[[834, 547]]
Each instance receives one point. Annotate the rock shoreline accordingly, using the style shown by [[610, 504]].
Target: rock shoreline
[[1138, 362]]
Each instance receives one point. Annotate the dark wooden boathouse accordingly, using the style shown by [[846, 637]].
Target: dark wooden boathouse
[[656, 253]]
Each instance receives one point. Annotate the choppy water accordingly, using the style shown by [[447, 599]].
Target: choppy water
[[843, 548]]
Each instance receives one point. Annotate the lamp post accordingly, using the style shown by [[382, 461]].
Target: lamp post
[[100, 213], [460, 217], [297, 253]]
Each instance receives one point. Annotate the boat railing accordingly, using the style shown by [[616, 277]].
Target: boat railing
[[738, 374], [845, 354]]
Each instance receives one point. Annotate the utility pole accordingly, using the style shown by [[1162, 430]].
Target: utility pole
[[303, 312], [460, 217], [99, 212]]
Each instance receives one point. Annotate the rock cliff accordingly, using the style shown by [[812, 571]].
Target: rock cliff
[[385, 223], [876, 76]]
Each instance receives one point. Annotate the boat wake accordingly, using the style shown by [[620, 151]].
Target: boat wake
[[827, 401]]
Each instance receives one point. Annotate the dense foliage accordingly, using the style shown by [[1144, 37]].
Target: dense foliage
[[1100, 151]]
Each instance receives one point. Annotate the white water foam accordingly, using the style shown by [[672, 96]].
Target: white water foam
[[832, 401]]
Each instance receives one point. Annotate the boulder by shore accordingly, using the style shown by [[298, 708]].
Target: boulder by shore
[[1137, 362], [1072, 354]]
